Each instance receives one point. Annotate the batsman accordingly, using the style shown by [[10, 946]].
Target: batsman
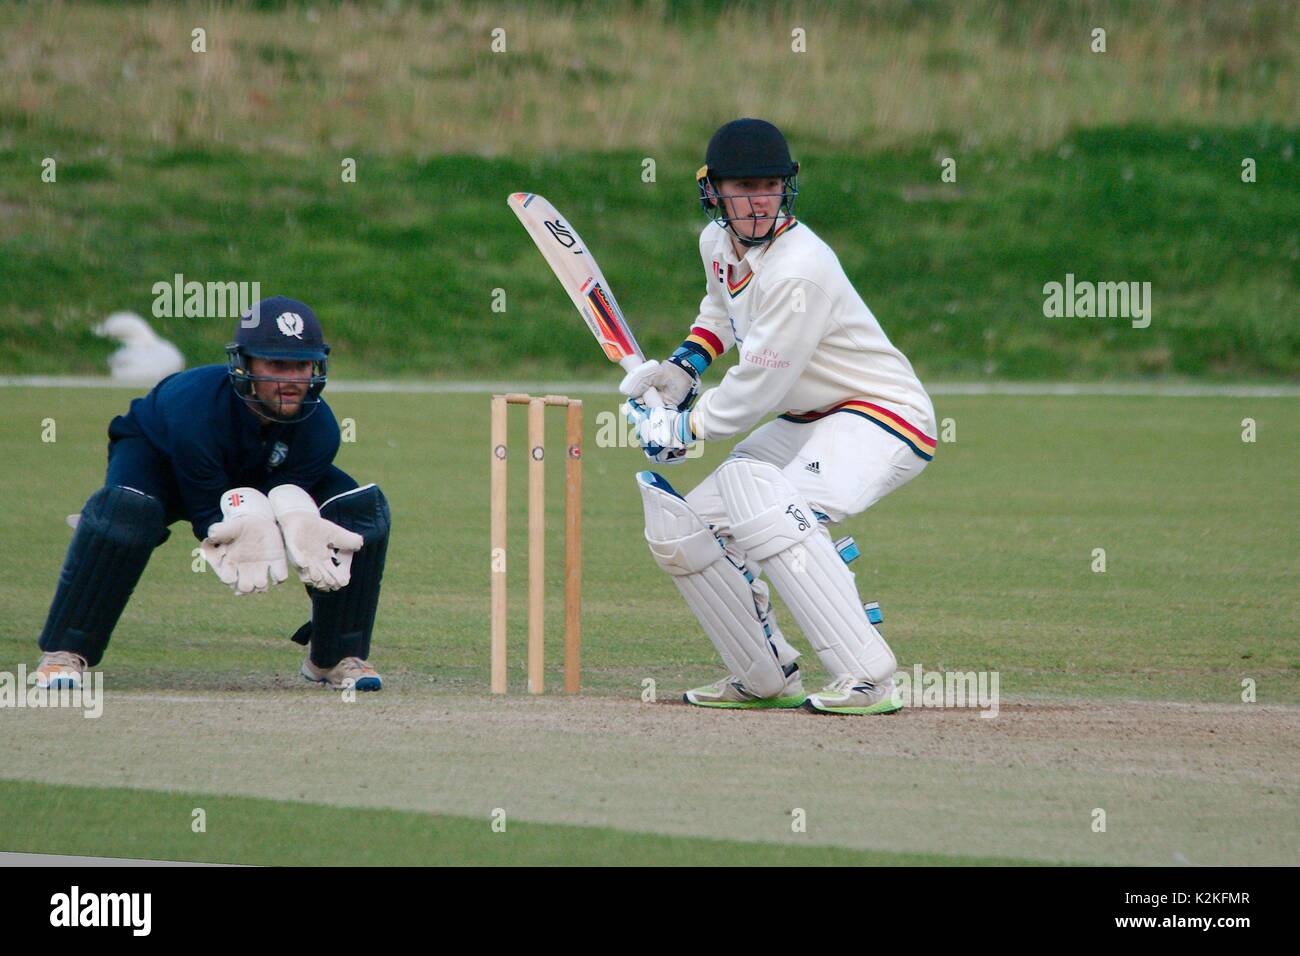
[[244, 452], [853, 424]]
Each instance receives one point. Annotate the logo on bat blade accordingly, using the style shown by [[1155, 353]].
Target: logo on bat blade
[[609, 326], [561, 234]]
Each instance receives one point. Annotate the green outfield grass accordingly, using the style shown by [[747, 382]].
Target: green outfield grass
[[984, 562], [405, 265], [226, 166], [1122, 687], [144, 824]]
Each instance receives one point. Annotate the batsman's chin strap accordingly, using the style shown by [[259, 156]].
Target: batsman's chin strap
[[757, 240]]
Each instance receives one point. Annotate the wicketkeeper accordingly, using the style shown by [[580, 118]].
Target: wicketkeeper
[[244, 452], [854, 425]]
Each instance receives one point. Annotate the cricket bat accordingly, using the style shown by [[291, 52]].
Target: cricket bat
[[579, 273]]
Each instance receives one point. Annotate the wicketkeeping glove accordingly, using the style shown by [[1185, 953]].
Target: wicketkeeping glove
[[319, 550], [245, 547]]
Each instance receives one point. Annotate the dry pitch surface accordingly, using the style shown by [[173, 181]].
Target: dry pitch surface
[[1179, 783]]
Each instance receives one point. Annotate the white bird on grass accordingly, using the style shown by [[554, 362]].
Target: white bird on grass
[[144, 357]]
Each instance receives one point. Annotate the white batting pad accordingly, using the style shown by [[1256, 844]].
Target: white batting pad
[[773, 526], [716, 589]]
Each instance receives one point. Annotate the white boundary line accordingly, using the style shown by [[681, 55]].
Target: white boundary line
[[54, 859], [1124, 390]]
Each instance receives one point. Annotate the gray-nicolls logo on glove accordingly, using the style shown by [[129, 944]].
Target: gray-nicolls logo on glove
[[244, 548]]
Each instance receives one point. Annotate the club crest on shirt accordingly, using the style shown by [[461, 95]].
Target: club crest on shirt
[[278, 453]]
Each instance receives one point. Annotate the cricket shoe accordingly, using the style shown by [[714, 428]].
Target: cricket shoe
[[350, 672], [731, 693], [59, 670], [851, 695]]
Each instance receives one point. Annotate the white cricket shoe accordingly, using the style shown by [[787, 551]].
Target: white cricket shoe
[[852, 695], [731, 693], [350, 672], [60, 669]]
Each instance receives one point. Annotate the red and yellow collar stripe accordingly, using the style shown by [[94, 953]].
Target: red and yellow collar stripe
[[735, 288], [896, 425]]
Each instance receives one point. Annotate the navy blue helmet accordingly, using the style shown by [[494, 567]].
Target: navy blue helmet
[[284, 329], [747, 149]]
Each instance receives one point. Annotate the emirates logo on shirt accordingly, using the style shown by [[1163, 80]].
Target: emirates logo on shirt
[[767, 359]]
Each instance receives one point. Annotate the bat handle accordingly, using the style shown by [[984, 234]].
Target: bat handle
[[650, 397]]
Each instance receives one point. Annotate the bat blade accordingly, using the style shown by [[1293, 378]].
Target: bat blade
[[580, 275]]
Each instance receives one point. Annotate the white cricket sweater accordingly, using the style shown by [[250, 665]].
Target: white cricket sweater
[[808, 344]]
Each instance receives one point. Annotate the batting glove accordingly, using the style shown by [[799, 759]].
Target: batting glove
[[674, 384], [665, 427]]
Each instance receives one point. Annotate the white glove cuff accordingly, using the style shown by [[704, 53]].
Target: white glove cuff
[[290, 499], [245, 503]]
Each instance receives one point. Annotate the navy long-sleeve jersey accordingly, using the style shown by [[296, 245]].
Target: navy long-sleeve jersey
[[211, 441]]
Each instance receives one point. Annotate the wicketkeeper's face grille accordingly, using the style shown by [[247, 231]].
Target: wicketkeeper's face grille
[[282, 390]]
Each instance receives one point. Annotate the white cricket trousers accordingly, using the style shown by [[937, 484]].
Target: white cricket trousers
[[842, 464]]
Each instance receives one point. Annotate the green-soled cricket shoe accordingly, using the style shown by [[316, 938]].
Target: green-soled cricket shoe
[[731, 694], [851, 695]]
